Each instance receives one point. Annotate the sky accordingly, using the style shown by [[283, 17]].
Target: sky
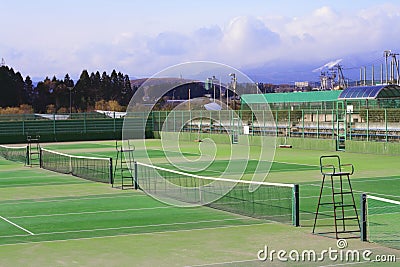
[[140, 38]]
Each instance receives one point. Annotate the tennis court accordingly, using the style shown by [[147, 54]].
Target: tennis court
[[58, 219]]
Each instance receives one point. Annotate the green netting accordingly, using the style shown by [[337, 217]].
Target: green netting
[[270, 201], [383, 216], [19, 154], [90, 168]]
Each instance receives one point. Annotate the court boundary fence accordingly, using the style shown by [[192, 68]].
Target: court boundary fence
[[364, 131]]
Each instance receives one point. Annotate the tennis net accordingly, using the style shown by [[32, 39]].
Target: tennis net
[[270, 201], [19, 154], [380, 217], [90, 168]]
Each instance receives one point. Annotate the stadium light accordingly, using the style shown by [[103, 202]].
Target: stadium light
[[234, 81]]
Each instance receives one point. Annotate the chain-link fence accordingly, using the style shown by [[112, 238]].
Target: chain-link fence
[[361, 125]]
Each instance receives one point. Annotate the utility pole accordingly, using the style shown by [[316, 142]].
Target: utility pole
[[220, 92], [372, 75], [234, 81], [213, 83], [189, 98], [386, 54]]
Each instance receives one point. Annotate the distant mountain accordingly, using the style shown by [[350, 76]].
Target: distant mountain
[[158, 81], [286, 72]]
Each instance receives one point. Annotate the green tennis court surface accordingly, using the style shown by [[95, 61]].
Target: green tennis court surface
[[54, 219], [103, 215]]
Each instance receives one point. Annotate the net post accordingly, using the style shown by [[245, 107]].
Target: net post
[[296, 206], [40, 158], [363, 214], [71, 169], [27, 160], [135, 178], [111, 172]]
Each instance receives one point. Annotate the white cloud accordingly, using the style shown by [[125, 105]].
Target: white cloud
[[169, 44], [321, 35]]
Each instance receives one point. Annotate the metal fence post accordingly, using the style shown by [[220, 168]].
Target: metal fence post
[[367, 125], [302, 122], [386, 126]]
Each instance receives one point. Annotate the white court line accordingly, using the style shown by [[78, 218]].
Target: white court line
[[13, 178], [71, 198], [294, 163], [136, 234], [89, 212], [145, 226], [358, 191], [16, 225], [46, 183]]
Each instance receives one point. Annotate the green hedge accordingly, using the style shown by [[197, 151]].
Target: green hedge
[[62, 137], [381, 148], [186, 136], [308, 143], [302, 143]]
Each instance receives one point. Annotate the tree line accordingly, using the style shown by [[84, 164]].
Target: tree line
[[91, 91]]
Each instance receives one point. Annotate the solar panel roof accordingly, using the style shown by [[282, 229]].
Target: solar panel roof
[[371, 92]]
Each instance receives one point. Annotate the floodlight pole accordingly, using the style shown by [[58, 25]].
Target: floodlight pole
[[220, 92], [213, 78], [227, 97], [386, 54], [234, 81], [189, 98]]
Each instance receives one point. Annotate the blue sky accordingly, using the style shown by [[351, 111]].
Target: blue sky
[[45, 38]]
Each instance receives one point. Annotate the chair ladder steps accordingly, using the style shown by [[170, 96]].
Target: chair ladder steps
[[33, 150], [344, 206], [124, 167], [347, 218], [338, 196]]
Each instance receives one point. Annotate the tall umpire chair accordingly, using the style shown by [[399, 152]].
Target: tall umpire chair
[[341, 203], [124, 166], [33, 150]]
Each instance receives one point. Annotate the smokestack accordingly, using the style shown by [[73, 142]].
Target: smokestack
[[372, 76], [365, 75]]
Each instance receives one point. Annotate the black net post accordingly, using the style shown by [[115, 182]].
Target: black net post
[[135, 177], [296, 206], [363, 217], [27, 161], [40, 157], [111, 172]]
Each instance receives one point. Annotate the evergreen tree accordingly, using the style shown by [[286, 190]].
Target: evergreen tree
[[105, 86], [114, 89], [127, 92], [43, 99], [29, 90], [95, 87], [67, 81], [82, 92], [11, 88]]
